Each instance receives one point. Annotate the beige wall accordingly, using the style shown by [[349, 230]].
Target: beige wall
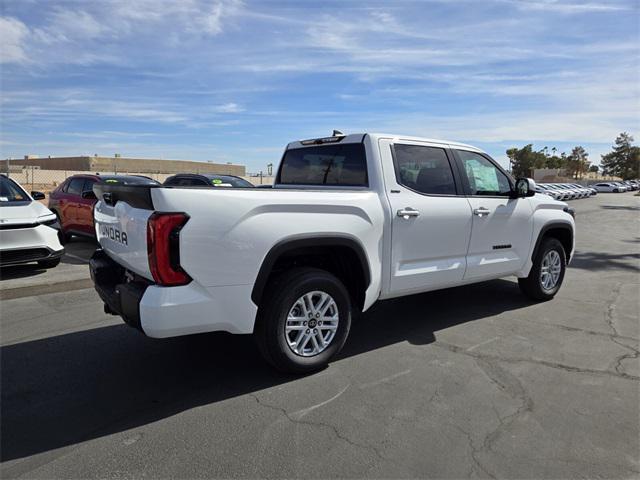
[[121, 164], [99, 164]]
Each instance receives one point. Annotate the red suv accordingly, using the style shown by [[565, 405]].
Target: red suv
[[73, 200]]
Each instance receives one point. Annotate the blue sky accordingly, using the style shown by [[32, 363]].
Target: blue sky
[[234, 81]]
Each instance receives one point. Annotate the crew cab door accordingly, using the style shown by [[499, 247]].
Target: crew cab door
[[431, 219], [502, 226]]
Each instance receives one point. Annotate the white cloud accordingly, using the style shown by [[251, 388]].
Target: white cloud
[[561, 6], [228, 108], [12, 36]]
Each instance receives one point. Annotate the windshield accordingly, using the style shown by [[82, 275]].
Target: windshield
[[11, 192], [129, 180], [225, 181]]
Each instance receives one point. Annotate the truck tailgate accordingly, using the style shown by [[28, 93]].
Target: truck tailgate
[[121, 229]]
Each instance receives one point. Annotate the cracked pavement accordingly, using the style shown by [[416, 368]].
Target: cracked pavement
[[469, 382]]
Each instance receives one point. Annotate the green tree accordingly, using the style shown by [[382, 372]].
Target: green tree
[[594, 168], [624, 160], [577, 162], [525, 160]]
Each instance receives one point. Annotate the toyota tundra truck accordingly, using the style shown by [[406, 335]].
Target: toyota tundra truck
[[350, 220]]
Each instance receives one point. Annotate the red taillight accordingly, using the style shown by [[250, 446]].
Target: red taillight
[[163, 248]]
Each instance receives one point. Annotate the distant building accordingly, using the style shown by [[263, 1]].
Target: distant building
[[123, 164]]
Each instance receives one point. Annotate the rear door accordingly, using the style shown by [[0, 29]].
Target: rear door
[[502, 226], [431, 218], [69, 209]]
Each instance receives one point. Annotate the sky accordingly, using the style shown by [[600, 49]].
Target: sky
[[235, 81]]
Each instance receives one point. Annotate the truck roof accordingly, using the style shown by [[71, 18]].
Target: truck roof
[[358, 137]]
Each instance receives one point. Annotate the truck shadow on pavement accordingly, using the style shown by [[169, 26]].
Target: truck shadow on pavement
[[66, 389]]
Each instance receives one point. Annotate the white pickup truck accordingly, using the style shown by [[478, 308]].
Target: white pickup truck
[[351, 219]]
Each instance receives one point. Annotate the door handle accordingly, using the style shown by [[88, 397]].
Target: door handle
[[408, 212], [481, 211]]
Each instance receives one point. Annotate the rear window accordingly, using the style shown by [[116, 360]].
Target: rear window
[[338, 165]]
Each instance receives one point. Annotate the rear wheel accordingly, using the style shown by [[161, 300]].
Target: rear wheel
[[304, 320], [547, 272]]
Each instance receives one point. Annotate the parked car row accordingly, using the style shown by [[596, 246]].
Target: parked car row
[[565, 191], [73, 201], [572, 191], [31, 232], [618, 187]]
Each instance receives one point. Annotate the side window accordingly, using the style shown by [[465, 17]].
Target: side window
[[483, 176], [171, 181], [423, 169], [88, 185], [75, 186]]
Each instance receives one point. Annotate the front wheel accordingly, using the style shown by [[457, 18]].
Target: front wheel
[[63, 237], [304, 320], [547, 272]]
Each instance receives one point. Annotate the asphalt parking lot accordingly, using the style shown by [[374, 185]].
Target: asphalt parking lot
[[470, 382]]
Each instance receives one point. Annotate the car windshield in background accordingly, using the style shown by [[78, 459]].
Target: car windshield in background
[[340, 165], [129, 180], [10, 192], [229, 181]]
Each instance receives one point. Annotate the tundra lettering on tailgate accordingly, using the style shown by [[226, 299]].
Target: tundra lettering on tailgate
[[114, 234]]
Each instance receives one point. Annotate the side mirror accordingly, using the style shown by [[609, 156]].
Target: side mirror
[[37, 195], [89, 195], [525, 187]]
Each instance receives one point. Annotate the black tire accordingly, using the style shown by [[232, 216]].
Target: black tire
[[279, 298], [62, 235], [532, 285], [49, 263]]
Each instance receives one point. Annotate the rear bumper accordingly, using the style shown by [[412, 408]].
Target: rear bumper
[[120, 296], [162, 312]]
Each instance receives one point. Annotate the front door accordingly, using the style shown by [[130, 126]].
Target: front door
[[502, 226], [431, 220]]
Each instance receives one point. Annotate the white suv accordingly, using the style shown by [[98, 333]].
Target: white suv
[[26, 228]]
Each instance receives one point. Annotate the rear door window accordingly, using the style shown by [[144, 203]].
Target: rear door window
[[337, 165], [424, 169], [75, 186]]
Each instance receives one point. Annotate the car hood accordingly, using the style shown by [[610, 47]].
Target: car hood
[[540, 199], [22, 212]]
